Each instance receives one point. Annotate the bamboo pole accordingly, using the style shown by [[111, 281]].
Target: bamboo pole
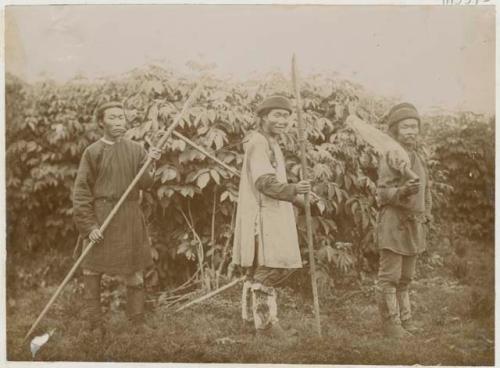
[[117, 206], [211, 294], [302, 142], [209, 155]]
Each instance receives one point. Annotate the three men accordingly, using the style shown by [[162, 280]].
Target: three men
[[265, 240], [106, 169], [405, 209]]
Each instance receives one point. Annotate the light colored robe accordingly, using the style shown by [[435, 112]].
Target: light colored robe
[[271, 220]]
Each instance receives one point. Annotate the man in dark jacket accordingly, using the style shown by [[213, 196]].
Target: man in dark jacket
[[405, 210], [106, 169]]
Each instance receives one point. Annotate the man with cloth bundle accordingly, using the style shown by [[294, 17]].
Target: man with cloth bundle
[[405, 211]]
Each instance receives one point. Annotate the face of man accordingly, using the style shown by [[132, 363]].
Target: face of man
[[408, 130], [113, 123], [275, 122]]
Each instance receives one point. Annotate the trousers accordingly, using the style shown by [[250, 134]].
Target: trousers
[[395, 270], [267, 276]]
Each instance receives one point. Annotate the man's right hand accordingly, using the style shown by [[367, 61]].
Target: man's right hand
[[303, 187], [96, 236], [409, 188]]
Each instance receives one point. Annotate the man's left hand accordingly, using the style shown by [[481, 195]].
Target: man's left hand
[[154, 153]]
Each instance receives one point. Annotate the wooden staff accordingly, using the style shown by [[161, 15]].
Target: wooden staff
[[117, 206], [209, 155], [302, 142], [211, 294]]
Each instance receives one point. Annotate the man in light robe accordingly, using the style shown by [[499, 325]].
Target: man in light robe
[[266, 240], [405, 210], [106, 169]]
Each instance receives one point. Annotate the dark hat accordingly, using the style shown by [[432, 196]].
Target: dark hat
[[107, 105], [402, 111], [99, 111], [274, 102]]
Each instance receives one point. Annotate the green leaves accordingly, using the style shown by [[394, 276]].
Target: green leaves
[[167, 173], [340, 256], [58, 133], [215, 176], [49, 125], [215, 138], [190, 155], [203, 180], [177, 145], [462, 166]]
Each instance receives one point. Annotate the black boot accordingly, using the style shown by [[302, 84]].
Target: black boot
[[135, 308], [91, 312]]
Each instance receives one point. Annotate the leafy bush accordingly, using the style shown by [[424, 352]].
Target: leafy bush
[[191, 207], [463, 148]]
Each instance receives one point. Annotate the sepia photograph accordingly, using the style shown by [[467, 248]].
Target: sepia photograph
[[250, 183]]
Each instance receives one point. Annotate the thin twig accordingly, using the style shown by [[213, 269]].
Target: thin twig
[[226, 246], [213, 229], [180, 287], [202, 253], [211, 294], [183, 298], [195, 234], [184, 285]]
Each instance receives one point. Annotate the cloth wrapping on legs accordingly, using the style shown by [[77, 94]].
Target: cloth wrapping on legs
[[245, 295], [388, 304], [265, 308], [404, 304], [135, 301]]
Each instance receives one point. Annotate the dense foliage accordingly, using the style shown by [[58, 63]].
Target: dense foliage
[[190, 209], [464, 158]]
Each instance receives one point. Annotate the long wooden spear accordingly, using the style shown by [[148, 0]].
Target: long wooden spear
[[117, 206], [211, 294], [302, 142], [203, 151]]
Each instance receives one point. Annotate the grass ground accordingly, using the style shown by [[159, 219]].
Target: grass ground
[[457, 320]]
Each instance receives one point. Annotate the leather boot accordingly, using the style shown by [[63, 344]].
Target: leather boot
[[135, 308], [93, 326], [403, 297], [91, 312], [389, 312]]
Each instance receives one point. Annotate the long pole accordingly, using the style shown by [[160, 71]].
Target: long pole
[[302, 142], [117, 206], [211, 294], [209, 155]]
